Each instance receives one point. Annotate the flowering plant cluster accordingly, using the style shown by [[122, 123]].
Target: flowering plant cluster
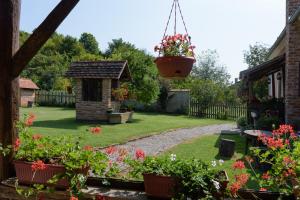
[[121, 94], [195, 177], [177, 45], [42, 151], [282, 155]]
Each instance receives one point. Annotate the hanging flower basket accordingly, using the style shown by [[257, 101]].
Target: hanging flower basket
[[174, 67], [176, 52]]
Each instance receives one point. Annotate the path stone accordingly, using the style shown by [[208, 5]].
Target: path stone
[[156, 144]]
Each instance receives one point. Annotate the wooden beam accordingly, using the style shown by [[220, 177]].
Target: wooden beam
[[39, 37], [9, 87]]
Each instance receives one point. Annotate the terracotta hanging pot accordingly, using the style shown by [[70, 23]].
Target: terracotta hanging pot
[[174, 67]]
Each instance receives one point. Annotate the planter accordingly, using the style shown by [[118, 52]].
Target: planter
[[252, 194], [116, 183], [174, 67], [26, 176], [119, 118], [163, 187]]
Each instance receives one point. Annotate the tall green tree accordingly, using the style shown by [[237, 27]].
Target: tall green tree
[[209, 68], [145, 83], [256, 55], [89, 43]]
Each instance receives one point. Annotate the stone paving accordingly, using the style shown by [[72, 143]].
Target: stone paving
[[156, 144]]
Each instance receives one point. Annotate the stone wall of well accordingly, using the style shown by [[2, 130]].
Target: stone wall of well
[[92, 110]]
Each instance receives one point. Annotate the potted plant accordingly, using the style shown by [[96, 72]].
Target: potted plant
[[177, 57], [282, 153], [43, 162], [170, 177]]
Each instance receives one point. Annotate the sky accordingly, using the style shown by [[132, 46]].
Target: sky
[[228, 26]]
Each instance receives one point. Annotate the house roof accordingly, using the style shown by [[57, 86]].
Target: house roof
[[259, 71], [27, 84], [291, 20], [99, 69]]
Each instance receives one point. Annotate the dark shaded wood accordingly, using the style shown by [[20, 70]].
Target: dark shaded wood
[[227, 148], [9, 87], [41, 35], [12, 63]]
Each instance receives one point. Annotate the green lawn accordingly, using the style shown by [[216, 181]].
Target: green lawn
[[206, 148], [61, 121]]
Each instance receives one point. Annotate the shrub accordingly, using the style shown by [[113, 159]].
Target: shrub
[[242, 122], [267, 123]]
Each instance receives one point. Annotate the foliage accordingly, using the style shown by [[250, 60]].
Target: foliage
[[48, 67], [89, 43], [261, 89], [121, 93], [282, 154], [193, 174], [242, 122], [145, 85], [267, 122], [66, 151], [177, 45], [209, 68], [256, 55]]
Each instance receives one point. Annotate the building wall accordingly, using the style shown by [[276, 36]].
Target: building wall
[[90, 110], [292, 78], [26, 95], [179, 101]]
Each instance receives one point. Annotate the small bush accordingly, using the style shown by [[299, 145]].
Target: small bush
[[268, 123], [242, 122]]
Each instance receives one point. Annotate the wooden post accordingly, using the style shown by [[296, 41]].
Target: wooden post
[[9, 89], [12, 62]]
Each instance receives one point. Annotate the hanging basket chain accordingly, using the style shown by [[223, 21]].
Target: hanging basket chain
[[184, 24], [175, 13]]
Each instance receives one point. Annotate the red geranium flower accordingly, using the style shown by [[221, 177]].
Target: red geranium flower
[[95, 130], [38, 165], [234, 188], [29, 121], [238, 165], [73, 198], [262, 189], [88, 148], [266, 176], [139, 154], [123, 152], [110, 150], [37, 136], [17, 144], [242, 178]]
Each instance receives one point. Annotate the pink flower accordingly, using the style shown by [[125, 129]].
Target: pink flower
[[29, 121], [234, 188], [139, 154], [238, 165], [73, 198], [266, 176], [38, 165], [242, 178]]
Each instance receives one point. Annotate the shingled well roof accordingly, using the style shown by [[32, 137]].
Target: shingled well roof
[[99, 69]]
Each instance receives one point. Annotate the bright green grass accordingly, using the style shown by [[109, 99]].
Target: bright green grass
[[61, 121], [206, 148]]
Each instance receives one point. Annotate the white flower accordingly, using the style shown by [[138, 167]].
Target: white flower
[[213, 163], [173, 157], [216, 184], [221, 162]]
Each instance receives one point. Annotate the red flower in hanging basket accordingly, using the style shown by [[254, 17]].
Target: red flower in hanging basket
[[177, 56]]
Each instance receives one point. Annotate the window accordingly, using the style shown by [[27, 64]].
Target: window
[[91, 90]]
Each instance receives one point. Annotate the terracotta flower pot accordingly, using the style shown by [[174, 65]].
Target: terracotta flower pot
[[160, 186], [25, 174], [174, 67]]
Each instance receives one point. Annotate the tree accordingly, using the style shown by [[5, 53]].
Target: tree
[[89, 43], [209, 68], [145, 83], [256, 55]]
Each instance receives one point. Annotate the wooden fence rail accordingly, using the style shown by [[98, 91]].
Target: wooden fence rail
[[54, 98], [217, 111]]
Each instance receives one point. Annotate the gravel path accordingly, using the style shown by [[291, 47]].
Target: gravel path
[[156, 144]]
